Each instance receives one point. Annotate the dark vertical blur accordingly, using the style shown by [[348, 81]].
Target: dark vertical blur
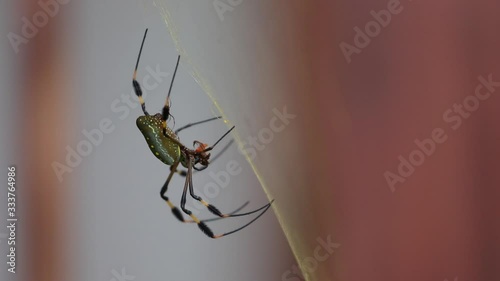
[[45, 123], [358, 117]]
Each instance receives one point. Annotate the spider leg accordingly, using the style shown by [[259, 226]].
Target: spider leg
[[196, 123], [166, 108], [212, 147], [203, 227], [184, 172], [214, 210], [137, 87], [177, 213], [219, 218]]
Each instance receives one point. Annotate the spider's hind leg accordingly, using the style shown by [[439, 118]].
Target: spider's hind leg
[[203, 227]]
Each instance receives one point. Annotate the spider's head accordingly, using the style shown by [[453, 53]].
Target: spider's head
[[201, 156], [204, 160]]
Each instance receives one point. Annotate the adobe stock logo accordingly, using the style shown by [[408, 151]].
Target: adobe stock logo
[[277, 124], [454, 117], [221, 7], [121, 276], [372, 29], [94, 137], [48, 8], [310, 264], [255, 144]]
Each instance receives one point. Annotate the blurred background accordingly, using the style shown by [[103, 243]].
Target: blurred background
[[374, 126], [94, 212]]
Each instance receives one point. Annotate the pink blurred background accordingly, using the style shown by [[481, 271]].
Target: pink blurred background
[[442, 221]]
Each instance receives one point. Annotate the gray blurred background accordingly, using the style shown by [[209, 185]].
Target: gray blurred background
[[113, 220]]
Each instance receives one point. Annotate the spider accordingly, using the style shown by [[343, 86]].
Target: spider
[[166, 146]]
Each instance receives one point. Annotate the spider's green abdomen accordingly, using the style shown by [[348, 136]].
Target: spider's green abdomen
[[162, 147]]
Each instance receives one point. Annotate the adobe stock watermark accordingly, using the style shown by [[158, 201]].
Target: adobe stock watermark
[[310, 264], [454, 117], [266, 135], [223, 6], [121, 107], [121, 276], [363, 38], [221, 179], [48, 9]]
